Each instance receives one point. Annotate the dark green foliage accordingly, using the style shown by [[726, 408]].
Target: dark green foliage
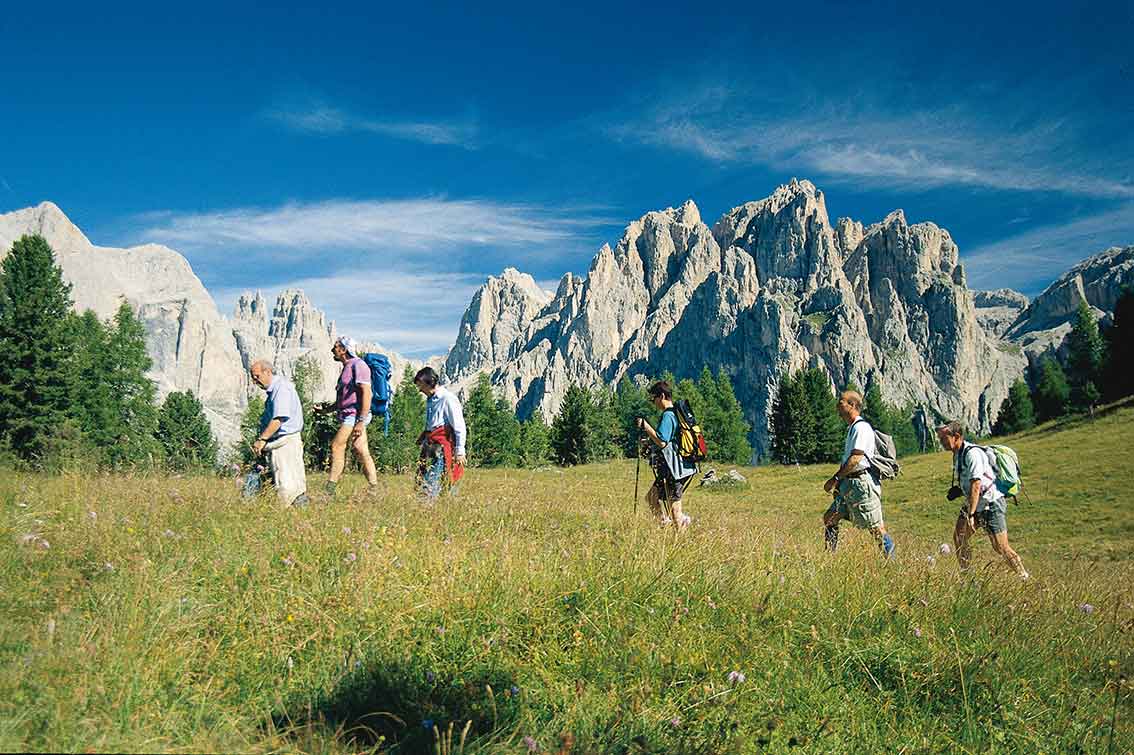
[[895, 421], [493, 430], [35, 348], [127, 436], [722, 420], [249, 428], [398, 451], [1085, 352], [805, 427], [631, 402], [185, 435], [535, 442], [585, 428], [1017, 413], [318, 427], [1119, 364], [1052, 394]]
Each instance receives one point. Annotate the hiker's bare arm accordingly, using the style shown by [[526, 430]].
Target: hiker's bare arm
[[363, 410], [267, 432], [974, 500], [650, 431], [844, 470]]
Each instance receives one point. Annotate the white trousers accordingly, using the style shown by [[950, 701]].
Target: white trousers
[[286, 455]]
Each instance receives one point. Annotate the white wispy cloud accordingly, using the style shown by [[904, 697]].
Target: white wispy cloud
[[948, 145], [414, 312], [321, 119], [1031, 260], [410, 224]]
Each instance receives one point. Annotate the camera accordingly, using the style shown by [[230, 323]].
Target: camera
[[954, 493]]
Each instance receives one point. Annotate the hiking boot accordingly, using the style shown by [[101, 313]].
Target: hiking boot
[[301, 501]]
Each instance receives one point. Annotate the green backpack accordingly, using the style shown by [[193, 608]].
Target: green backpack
[[1006, 464]]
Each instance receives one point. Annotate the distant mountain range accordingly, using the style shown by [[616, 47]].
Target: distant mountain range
[[773, 285]]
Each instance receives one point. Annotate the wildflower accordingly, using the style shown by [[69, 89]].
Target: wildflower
[[169, 534], [930, 560], [917, 632], [440, 631], [346, 530], [1087, 608], [29, 539], [288, 561], [531, 744], [944, 549], [430, 676], [290, 617], [675, 722], [350, 558], [108, 566], [92, 515], [357, 665], [515, 691], [290, 663], [184, 601], [736, 677], [781, 580]]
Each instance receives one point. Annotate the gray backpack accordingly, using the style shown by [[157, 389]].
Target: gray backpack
[[885, 459]]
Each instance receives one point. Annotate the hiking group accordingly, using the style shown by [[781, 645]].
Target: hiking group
[[361, 390], [983, 476]]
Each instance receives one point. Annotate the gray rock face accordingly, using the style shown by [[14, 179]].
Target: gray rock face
[[190, 343], [997, 310], [1042, 327], [772, 287]]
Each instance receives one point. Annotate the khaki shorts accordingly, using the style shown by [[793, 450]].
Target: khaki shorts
[[669, 489], [859, 499]]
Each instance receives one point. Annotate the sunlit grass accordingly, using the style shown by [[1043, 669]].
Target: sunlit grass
[[169, 614]]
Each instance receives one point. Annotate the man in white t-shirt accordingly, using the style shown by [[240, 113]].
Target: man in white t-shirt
[[855, 486], [984, 505]]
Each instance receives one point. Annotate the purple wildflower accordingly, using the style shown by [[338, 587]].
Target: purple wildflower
[[736, 677], [350, 558], [531, 744], [515, 690], [917, 632], [944, 549], [1087, 608], [675, 722], [430, 676]]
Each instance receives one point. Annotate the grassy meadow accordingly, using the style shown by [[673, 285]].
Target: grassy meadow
[[538, 611]]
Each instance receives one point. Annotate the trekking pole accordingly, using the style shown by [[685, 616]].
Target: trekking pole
[[637, 468]]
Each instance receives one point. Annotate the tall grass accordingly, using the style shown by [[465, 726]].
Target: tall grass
[[157, 613]]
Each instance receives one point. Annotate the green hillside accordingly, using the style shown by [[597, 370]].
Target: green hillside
[[169, 614]]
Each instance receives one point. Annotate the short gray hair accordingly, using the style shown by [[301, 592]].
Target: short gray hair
[[263, 364], [953, 427]]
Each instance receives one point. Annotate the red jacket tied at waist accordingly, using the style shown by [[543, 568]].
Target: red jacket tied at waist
[[443, 436]]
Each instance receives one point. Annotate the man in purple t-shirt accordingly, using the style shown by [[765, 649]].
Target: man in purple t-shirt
[[352, 409]]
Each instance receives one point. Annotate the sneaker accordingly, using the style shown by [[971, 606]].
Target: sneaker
[[301, 501]]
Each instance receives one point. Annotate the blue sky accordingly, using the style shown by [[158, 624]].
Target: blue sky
[[387, 158]]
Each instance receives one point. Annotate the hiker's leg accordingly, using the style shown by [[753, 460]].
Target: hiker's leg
[[362, 451], [1000, 544], [831, 519], [961, 542], [338, 451]]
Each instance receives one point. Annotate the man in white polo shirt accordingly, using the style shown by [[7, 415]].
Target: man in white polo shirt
[[984, 505], [280, 434], [856, 488]]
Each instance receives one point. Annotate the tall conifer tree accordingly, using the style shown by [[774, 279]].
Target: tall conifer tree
[[35, 348]]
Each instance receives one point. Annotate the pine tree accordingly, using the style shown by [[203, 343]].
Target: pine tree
[[493, 430], [789, 422], [631, 402], [1085, 350], [726, 432], [1119, 363], [35, 348], [185, 434], [1052, 395], [569, 431], [826, 425], [535, 442], [398, 451], [602, 426], [1017, 412], [128, 439]]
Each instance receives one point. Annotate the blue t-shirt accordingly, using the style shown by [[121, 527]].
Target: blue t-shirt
[[667, 426]]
